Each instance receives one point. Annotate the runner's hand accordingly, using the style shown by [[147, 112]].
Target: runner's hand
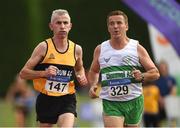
[[82, 79], [51, 71], [137, 74], [92, 92]]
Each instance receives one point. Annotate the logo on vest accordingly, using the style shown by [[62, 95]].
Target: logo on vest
[[51, 56], [107, 59]]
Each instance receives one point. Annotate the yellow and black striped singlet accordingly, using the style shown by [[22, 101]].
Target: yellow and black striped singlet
[[63, 82]]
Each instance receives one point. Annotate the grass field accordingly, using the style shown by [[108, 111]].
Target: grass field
[[89, 114], [7, 117]]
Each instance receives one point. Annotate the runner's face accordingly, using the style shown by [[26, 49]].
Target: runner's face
[[117, 26], [61, 25]]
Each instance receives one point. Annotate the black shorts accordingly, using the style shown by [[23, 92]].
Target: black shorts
[[48, 108], [151, 120], [162, 113]]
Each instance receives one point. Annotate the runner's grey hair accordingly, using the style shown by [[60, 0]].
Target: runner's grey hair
[[59, 12]]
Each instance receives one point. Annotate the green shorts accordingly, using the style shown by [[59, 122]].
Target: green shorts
[[131, 110]]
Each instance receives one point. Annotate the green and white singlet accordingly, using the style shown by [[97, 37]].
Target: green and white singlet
[[116, 66]]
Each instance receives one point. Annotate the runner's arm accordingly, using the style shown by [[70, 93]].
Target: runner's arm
[[28, 72], [79, 68], [152, 72], [94, 71]]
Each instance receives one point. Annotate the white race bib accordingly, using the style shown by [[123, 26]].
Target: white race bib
[[56, 87], [118, 91]]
